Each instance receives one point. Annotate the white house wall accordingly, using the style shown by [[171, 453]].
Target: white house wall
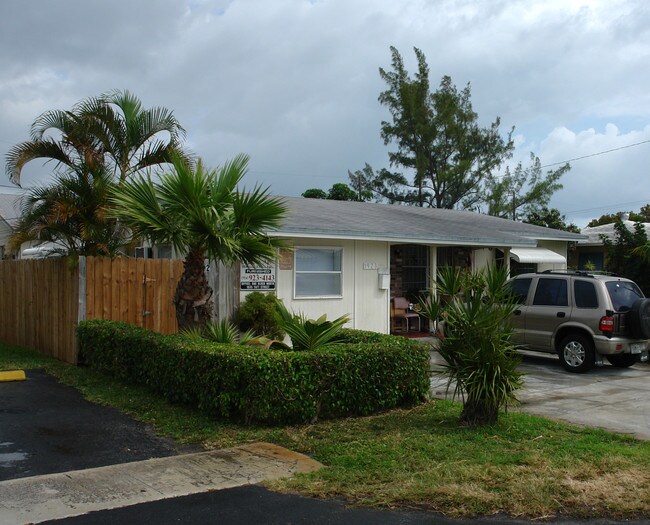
[[362, 300], [5, 232], [483, 257], [559, 247]]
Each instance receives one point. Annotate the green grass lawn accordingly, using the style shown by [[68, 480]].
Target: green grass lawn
[[419, 458]]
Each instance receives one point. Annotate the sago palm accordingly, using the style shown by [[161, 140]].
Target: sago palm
[[204, 216]]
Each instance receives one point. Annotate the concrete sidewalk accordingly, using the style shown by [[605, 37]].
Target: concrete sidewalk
[[54, 496]]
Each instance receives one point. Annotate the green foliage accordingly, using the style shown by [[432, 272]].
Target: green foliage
[[524, 191], [197, 209], [437, 138], [625, 254], [341, 192], [314, 193], [203, 214], [256, 385], [550, 218], [112, 132], [609, 218], [71, 213], [100, 142], [481, 360], [309, 334], [338, 192], [361, 182], [221, 332], [259, 314]]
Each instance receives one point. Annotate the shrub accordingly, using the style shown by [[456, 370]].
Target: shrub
[[258, 313], [481, 360], [256, 385]]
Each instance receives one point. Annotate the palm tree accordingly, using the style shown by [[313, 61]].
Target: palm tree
[[111, 130], [203, 215], [72, 213]]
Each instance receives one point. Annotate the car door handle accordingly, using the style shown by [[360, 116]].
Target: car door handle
[[561, 314], [517, 312]]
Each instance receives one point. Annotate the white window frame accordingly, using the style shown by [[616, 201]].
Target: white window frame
[[296, 272]]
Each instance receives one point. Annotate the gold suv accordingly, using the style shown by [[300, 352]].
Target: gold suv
[[582, 317]]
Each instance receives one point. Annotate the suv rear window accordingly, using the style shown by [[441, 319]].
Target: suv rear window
[[623, 294], [585, 294]]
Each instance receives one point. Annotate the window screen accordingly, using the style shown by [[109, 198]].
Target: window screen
[[318, 272], [551, 292]]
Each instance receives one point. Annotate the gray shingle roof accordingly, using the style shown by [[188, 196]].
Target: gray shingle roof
[[322, 218], [593, 233]]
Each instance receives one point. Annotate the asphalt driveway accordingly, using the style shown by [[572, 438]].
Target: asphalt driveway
[[47, 427], [616, 399]]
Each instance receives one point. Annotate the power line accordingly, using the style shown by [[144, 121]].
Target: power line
[[596, 154], [597, 208]]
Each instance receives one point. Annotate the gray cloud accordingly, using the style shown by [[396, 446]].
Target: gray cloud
[[295, 83]]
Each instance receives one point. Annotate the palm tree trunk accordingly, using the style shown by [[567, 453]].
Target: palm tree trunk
[[193, 299]]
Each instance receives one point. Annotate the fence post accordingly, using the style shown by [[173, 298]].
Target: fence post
[[81, 314]]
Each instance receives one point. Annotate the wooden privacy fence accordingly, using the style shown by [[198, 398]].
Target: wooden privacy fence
[[42, 300]]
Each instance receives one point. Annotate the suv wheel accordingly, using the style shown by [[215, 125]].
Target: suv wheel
[[576, 352], [622, 360]]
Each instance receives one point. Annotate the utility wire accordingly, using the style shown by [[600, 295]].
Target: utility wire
[[596, 154]]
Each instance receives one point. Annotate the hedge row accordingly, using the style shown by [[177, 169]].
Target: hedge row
[[372, 372]]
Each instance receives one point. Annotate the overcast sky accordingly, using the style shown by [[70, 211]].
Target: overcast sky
[[294, 83]]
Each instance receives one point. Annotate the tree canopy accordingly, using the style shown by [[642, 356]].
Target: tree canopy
[[436, 136], [338, 192], [550, 218], [96, 145], [113, 132], [522, 191], [442, 157], [608, 218]]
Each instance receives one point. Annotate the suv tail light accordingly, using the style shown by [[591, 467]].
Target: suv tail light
[[606, 324]]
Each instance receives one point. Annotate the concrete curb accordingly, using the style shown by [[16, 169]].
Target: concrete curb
[[67, 494], [12, 375]]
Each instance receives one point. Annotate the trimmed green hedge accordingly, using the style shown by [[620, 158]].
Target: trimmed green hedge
[[370, 373]]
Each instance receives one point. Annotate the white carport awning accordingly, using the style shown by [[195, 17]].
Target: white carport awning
[[536, 255]]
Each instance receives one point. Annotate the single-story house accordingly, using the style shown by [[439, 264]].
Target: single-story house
[[9, 213], [354, 257], [589, 252]]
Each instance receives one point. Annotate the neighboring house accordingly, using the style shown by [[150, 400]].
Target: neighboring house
[[353, 257], [9, 213], [590, 252]]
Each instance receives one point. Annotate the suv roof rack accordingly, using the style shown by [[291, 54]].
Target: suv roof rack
[[581, 273]]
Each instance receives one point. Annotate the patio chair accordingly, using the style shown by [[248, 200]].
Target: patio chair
[[401, 314]]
